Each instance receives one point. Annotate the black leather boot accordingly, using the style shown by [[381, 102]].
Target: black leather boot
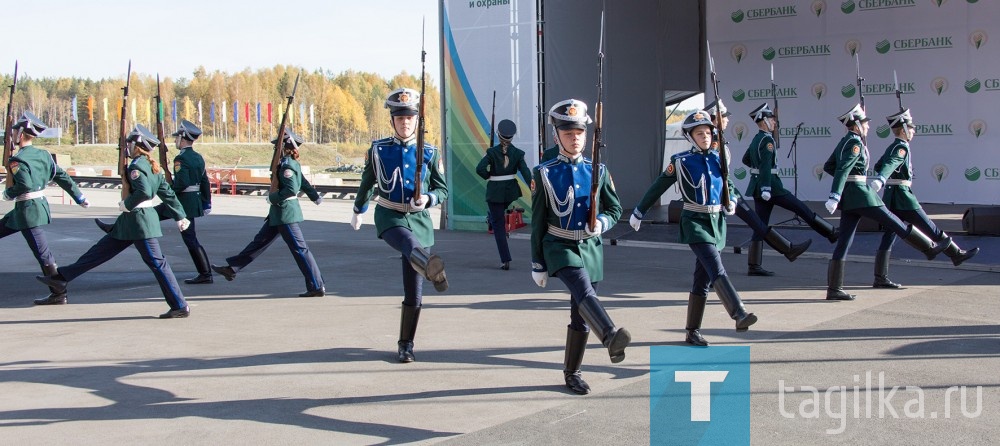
[[696, 312], [407, 331], [226, 271], [200, 258], [57, 296], [754, 258], [921, 242], [576, 345], [882, 271], [781, 244], [106, 227], [612, 337], [430, 266], [824, 228], [956, 254], [835, 281], [734, 305]]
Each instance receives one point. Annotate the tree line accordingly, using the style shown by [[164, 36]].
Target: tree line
[[329, 107]]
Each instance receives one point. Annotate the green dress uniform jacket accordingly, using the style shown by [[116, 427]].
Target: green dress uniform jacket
[[550, 252], [284, 202], [849, 166], [694, 165], [140, 221], [494, 164], [549, 153], [389, 172], [190, 183], [33, 168], [760, 157], [895, 166]]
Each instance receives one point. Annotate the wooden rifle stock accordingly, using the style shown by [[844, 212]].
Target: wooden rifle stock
[[418, 175], [595, 173], [123, 149], [160, 134], [723, 155], [8, 133], [279, 145]]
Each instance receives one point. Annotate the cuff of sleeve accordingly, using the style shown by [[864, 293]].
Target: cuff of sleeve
[[765, 189], [637, 214], [6, 197], [605, 221], [79, 199], [538, 267], [880, 178], [434, 200], [835, 196], [361, 210]]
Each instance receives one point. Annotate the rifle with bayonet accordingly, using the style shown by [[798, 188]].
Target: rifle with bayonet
[[861, 93], [8, 133], [899, 98], [418, 177], [123, 146], [595, 176], [160, 134], [493, 116], [723, 155], [777, 123], [279, 145]]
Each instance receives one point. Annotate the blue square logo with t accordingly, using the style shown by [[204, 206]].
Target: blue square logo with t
[[699, 396]]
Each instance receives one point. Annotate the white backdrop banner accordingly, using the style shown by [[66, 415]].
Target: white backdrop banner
[[945, 59]]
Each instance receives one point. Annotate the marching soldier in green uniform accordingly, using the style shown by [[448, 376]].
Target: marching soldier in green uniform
[[563, 243], [138, 225], [895, 172], [767, 191], [499, 167], [848, 165], [698, 172], [744, 212], [401, 217], [31, 170], [190, 184], [283, 217]]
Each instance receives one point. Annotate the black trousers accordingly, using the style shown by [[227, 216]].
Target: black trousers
[[707, 267], [580, 287], [402, 239], [292, 235], [917, 218], [498, 219], [849, 225], [787, 201]]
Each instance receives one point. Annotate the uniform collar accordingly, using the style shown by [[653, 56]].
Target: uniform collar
[[405, 143], [562, 157]]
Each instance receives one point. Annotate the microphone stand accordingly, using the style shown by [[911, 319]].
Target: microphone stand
[[794, 154]]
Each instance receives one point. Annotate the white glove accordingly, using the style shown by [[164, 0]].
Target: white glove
[[318, 200], [731, 209], [766, 196], [876, 185], [598, 229], [121, 206], [356, 221], [84, 202], [831, 205], [541, 278], [183, 224], [422, 204], [206, 211], [634, 222]]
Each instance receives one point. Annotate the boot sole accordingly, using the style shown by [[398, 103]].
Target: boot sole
[[435, 272], [745, 323], [616, 348], [840, 297], [968, 255]]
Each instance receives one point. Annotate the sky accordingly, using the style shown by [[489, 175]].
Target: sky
[[73, 38]]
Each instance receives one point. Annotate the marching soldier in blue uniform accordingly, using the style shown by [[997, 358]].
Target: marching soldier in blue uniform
[[190, 184], [499, 167], [31, 169], [760, 229], [402, 219], [138, 225], [283, 219], [703, 224], [564, 245], [767, 191], [895, 172], [848, 165]]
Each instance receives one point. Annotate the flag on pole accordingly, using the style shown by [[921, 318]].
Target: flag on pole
[[246, 112], [312, 114], [236, 111], [199, 112], [258, 112], [90, 107], [279, 110], [211, 112], [223, 111], [118, 108], [302, 114], [74, 109], [160, 112], [268, 112], [173, 113], [187, 107], [149, 115], [133, 110], [105, 109], [291, 115]]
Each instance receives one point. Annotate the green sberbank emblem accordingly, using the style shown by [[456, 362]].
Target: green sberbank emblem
[[740, 130], [818, 7], [978, 38], [819, 90], [848, 91], [977, 127], [769, 53], [883, 46], [847, 7], [740, 173], [939, 85], [739, 95], [737, 16], [738, 51], [973, 85], [972, 173], [882, 131]]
